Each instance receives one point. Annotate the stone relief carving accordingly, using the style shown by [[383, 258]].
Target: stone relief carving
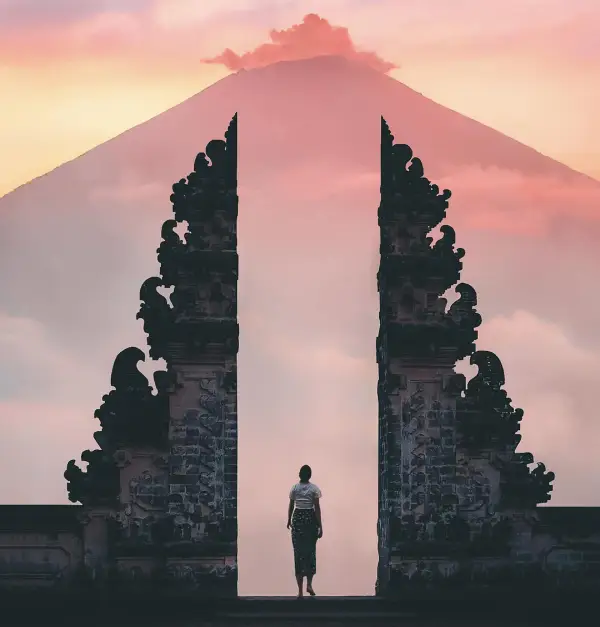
[[449, 466]]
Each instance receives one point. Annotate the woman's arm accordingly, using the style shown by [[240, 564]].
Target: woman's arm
[[290, 512], [318, 516]]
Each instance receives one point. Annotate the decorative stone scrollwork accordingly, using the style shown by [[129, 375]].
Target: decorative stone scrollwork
[[463, 311], [487, 421], [454, 385], [170, 252], [98, 484], [404, 187], [523, 488], [203, 270], [157, 316], [491, 371], [213, 171], [414, 273], [485, 416], [131, 414], [444, 247]]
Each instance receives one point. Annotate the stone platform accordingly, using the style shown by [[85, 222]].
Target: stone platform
[[126, 609]]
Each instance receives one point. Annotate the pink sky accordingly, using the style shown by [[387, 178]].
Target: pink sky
[[78, 76]]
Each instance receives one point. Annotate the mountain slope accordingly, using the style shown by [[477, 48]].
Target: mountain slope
[[303, 100]]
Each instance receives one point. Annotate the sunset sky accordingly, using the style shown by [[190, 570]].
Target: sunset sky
[[73, 74], [76, 245]]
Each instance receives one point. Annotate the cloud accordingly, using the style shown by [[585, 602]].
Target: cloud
[[38, 439], [314, 37], [42, 40], [560, 33], [490, 199], [509, 201], [32, 363], [31, 13]]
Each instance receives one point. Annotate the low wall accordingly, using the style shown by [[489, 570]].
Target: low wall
[[49, 545], [550, 548], [40, 545]]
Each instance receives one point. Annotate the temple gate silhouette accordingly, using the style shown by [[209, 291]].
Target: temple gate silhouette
[[158, 499]]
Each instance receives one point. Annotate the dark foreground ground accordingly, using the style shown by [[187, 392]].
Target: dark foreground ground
[[125, 610]]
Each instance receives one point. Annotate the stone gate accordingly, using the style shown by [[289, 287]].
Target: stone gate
[[158, 499]]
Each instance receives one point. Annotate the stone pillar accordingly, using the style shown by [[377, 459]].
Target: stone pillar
[[166, 469], [95, 522], [201, 351], [417, 347]]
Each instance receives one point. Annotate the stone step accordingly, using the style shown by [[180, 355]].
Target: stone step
[[312, 608]]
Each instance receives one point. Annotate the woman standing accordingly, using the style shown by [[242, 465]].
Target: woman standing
[[304, 518]]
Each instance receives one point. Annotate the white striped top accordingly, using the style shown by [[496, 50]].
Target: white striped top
[[304, 495]]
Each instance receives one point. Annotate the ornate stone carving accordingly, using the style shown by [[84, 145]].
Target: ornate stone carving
[[523, 488], [202, 348], [413, 272], [148, 491], [157, 316], [462, 311], [170, 252], [98, 484], [486, 418], [445, 452], [131, 414], [176, 461]]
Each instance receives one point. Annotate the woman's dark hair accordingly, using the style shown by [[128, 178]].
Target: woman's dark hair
[[305, 473]]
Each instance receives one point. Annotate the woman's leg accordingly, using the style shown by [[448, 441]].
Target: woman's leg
[[297, 543], [299, 579], [311, 563], [312, 559]]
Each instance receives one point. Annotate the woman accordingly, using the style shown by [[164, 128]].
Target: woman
[[304, 518]]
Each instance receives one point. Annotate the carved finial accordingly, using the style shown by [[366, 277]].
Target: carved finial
[[215, 151], [463, 310], [387, 138], [130, 414], [387, 143], [491, 372], [448, 234], [125, 372], [98, 484], [231, 139], [157, 316], [149, 287], [168, 233]]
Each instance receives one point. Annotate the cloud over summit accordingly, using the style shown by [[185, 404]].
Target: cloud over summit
[[314, 37]]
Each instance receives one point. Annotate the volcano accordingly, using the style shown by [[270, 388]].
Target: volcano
[[77, 243]]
